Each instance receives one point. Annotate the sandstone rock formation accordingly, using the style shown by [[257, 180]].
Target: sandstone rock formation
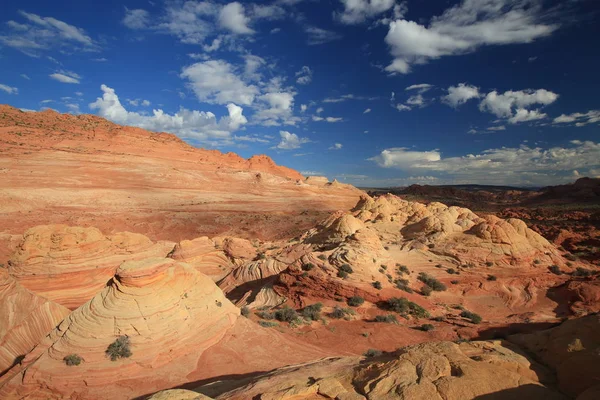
[[69, 265], [83, 170], [25, 318]]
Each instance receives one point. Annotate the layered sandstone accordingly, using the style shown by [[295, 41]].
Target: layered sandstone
[[69, 265]]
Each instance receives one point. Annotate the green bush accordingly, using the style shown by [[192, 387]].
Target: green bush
[[451, 271], [426, 290], [342, 274], [388, 319], [286, 314], [355, 301], [489, 264], [427, 327], [312, 312], [373, 353], [265, 315], [120, 348], [475, 318], [377, 285], [72, 359], [346, 268], [405, 307], [583, 272], [555, 269], [402, 284], [492, 278], [339, 312], [322, 257], [245, 311], [536, 261], [570, 257], [431, 282], [308, 266], [403, 269], [267, 324]]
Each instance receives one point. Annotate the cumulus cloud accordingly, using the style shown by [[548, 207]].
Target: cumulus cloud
[[513, 104], [291, 141], [416, 100], [304, 76], [198, 125], [9, 89], [40, 34], [336, 146], [136, 19], [232, 17], [579, 119], [402, 107], [217, 81], [460, 94], [66, 77], [520, 165], [465, 27], [318, 36], [358, 11]]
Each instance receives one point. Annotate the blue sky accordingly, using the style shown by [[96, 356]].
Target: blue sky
[[371, 92]]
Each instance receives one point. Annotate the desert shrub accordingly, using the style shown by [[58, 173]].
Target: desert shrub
[[286, 314], [402, 284], [536, 261], [267, 324], [308, 266], [260, 256], [427, 327], [439, 266], [377, 285], [583, 272], [322, 257], [555, 269], [489, 264], [312, 312], [342, 274], [439, 318], [475, 318], [339, 312], [120, 348], [431, 245], [245, 311], [355, 301], [454, 282], [426, 290], [373, 353], [431, 282], [72, 359], [384, 266], [304, 274], [492, 278], [451, 271], [265, 315], [403, 306], [346, 268], [570, 257], [403, 269], [388, 319], [381, 271]]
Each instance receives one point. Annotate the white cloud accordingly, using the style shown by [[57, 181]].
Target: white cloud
[[217, 81], [24, 76], [136, 19], [513, 104], [402, 107], [146, 103], [309, 173], [199, 125], [44, 33], [304, 76], [521, 165], [358, 11], [137, 102], [336, 146], [100, 59], [496, 128], [73, 108], [303, 107], [465, 27], [334, 119], [368, 110], [79, 94], [319, 110], [216, 43], [275, 30], [421, 87], [232, 17], [9, 89], [291, 141], [320, 36], [275, 108], [416, 100], [66, 77], [460, 94], [580, 119]]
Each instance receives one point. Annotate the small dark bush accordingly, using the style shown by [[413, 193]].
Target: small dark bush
[[431, 245], [475, 318], [555, 269], [439, 318], [536, 261], [72, 359], [489, 264], [339, 312], [432, 282], [342, 274], [377, 285], [265, 315], [582, 272], [355, 301], [426, 290], [245, 311], [267, 324], [569, 264], [388, 319], [286, 314], [427, 327], [372, 353], [322, 257], [120, 348], [405, 307], [260, 256], [346, 268], [451, 271], [308, 266], [403, 269], [492, 278], [570, 257], [402, 284], [454, 282], [312, 312]]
